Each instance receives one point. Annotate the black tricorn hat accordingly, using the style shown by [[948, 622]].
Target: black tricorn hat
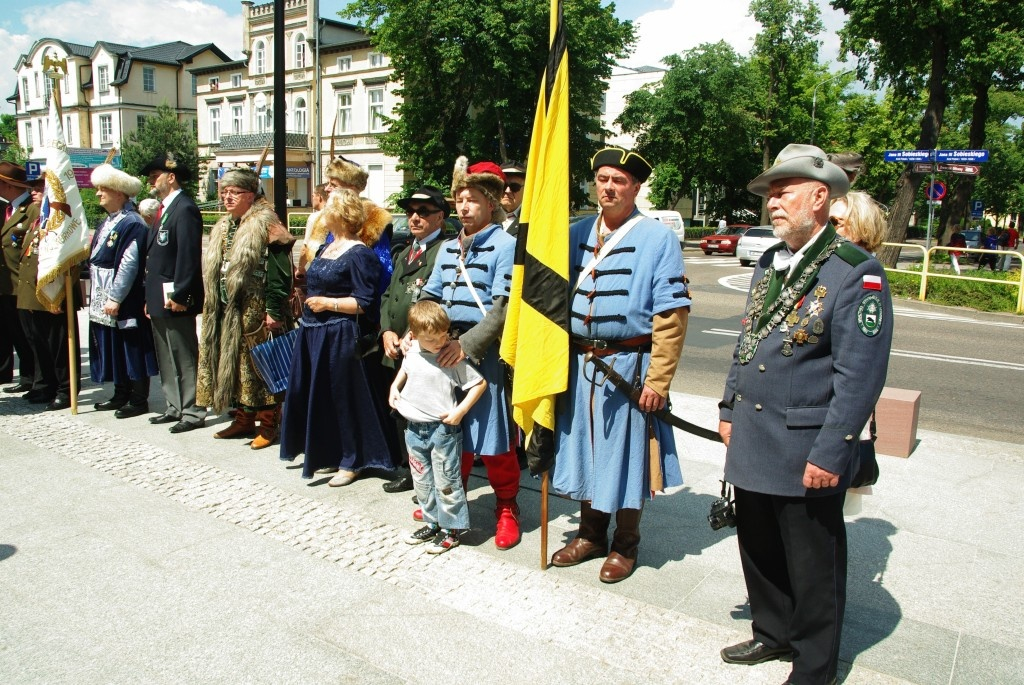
[[627, 160]]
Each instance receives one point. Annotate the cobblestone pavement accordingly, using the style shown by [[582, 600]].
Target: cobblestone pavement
[[586, 621]]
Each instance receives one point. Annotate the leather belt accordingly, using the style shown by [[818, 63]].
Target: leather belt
[[602, 348]]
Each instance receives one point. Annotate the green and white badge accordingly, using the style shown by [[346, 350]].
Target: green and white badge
[[869, 315]]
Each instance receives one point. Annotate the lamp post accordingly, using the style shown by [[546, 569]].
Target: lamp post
[[814, 95]]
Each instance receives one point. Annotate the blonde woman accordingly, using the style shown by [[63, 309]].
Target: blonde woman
[[330, 413], [859, 219]]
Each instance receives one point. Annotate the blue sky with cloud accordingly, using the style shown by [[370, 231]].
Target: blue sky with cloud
[[663, 26]]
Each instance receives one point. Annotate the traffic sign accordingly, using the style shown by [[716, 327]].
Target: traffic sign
[[908, 155], [962, 169], [924, 168], [977, 209], [936, 190], [961, 155]]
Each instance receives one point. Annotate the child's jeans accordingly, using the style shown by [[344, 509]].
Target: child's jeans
[[435, 458]]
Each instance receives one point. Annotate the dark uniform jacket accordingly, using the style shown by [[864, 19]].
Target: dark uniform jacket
[[175, 255], [406, 282], [13, 235], [807, 391]]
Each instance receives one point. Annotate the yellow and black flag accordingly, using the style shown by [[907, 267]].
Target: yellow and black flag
[[536, 337]]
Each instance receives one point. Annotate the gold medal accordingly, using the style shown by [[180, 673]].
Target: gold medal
[[800, 336], [793, 319], [806, 320], [820, 291]]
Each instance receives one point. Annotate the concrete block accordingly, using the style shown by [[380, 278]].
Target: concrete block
[[896, 421]]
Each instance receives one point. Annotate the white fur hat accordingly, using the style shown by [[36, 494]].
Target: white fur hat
[[107, 176]]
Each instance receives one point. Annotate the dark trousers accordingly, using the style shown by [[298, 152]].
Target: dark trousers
[[12, 339], [133, 392], [793, 551], [47, 335]]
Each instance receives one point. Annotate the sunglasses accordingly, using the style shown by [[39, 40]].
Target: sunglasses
[[837, 221], [422, 211], [514, 187]]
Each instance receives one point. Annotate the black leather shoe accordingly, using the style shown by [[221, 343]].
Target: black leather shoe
[[38, 397], [20, 387], [753, 652], [130, 410], [110, 405], [400, 484], [163, 418], [186, 426], [59, 403]]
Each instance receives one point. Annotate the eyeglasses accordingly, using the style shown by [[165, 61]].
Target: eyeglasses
[[514, 187], [233, 194], [424, 212]]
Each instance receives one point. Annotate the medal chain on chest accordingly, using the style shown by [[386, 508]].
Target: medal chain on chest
[[786, 304]]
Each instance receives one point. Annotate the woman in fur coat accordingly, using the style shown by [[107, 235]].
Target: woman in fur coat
[[247, 278]]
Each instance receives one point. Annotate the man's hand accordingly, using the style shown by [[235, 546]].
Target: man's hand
[[650, 400], [451, 354], [725, 430], [816, 477], [405, 343], [392, 344], [272, 324], [174, 306]]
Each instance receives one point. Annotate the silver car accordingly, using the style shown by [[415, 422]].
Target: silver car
[[753, 243]]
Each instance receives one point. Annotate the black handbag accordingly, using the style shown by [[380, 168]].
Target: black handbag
[[867, 466]]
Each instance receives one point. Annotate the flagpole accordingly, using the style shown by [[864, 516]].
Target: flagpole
[[69, 307], [544, 521]]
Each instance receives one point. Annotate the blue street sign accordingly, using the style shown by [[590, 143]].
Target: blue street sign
[[936, 190], [908, 156], [961, 155], [977, 209]]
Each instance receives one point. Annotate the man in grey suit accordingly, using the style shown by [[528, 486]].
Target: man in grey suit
[[806, 374], [174, 292]]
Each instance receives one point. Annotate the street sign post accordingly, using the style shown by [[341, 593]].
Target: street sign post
[[961, 169], [924, 168], [936, 190], [977, 209], [961, 155], [909, 155]]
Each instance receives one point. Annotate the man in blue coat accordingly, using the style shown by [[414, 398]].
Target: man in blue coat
[[806, 374], [628, 306]]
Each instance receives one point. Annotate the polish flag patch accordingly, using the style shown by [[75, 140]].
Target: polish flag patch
[[872, 282]]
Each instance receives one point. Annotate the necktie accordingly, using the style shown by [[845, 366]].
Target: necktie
[[159, 213], [416, 251]]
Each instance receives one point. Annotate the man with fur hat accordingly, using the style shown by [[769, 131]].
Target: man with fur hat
[[19, 215], [120, 336], [426, 209], [629, 306], [174, 292], [807, 371], [46, 328], [471, 280], [247, 280]]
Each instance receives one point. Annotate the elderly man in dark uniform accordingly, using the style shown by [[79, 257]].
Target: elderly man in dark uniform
[[806, 373], [426, 210], [174, 292], [19, 215]]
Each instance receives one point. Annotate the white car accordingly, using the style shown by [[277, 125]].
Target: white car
[[753, 243], [670, 218]]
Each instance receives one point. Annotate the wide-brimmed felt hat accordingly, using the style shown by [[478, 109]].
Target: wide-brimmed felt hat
[[803, 161], [427, 195], [14, 174], [620, 158], [106, 176], [167, 162]]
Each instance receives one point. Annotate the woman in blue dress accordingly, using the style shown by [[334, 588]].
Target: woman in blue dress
[[330, 414], [120, 337]]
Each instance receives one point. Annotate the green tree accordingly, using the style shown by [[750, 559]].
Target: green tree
[[785, 51], [923, 47], [698, 125], [161, 134], [9, 130], [469, 74]]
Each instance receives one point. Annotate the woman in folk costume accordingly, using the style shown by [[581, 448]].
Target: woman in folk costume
[[247, 278], [331, 414], [471, 280], [120, 338]]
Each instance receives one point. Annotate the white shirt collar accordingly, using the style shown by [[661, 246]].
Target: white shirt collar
[[784, 258]]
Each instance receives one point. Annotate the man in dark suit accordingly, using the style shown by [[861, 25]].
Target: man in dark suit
[[174, 292], [426, 210], [512, 198], [19, 213], [806, 374]]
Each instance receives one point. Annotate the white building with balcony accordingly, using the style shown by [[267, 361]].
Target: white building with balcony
[[109, 89]]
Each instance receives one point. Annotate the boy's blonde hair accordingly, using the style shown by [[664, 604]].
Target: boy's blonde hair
[[429, 318]]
